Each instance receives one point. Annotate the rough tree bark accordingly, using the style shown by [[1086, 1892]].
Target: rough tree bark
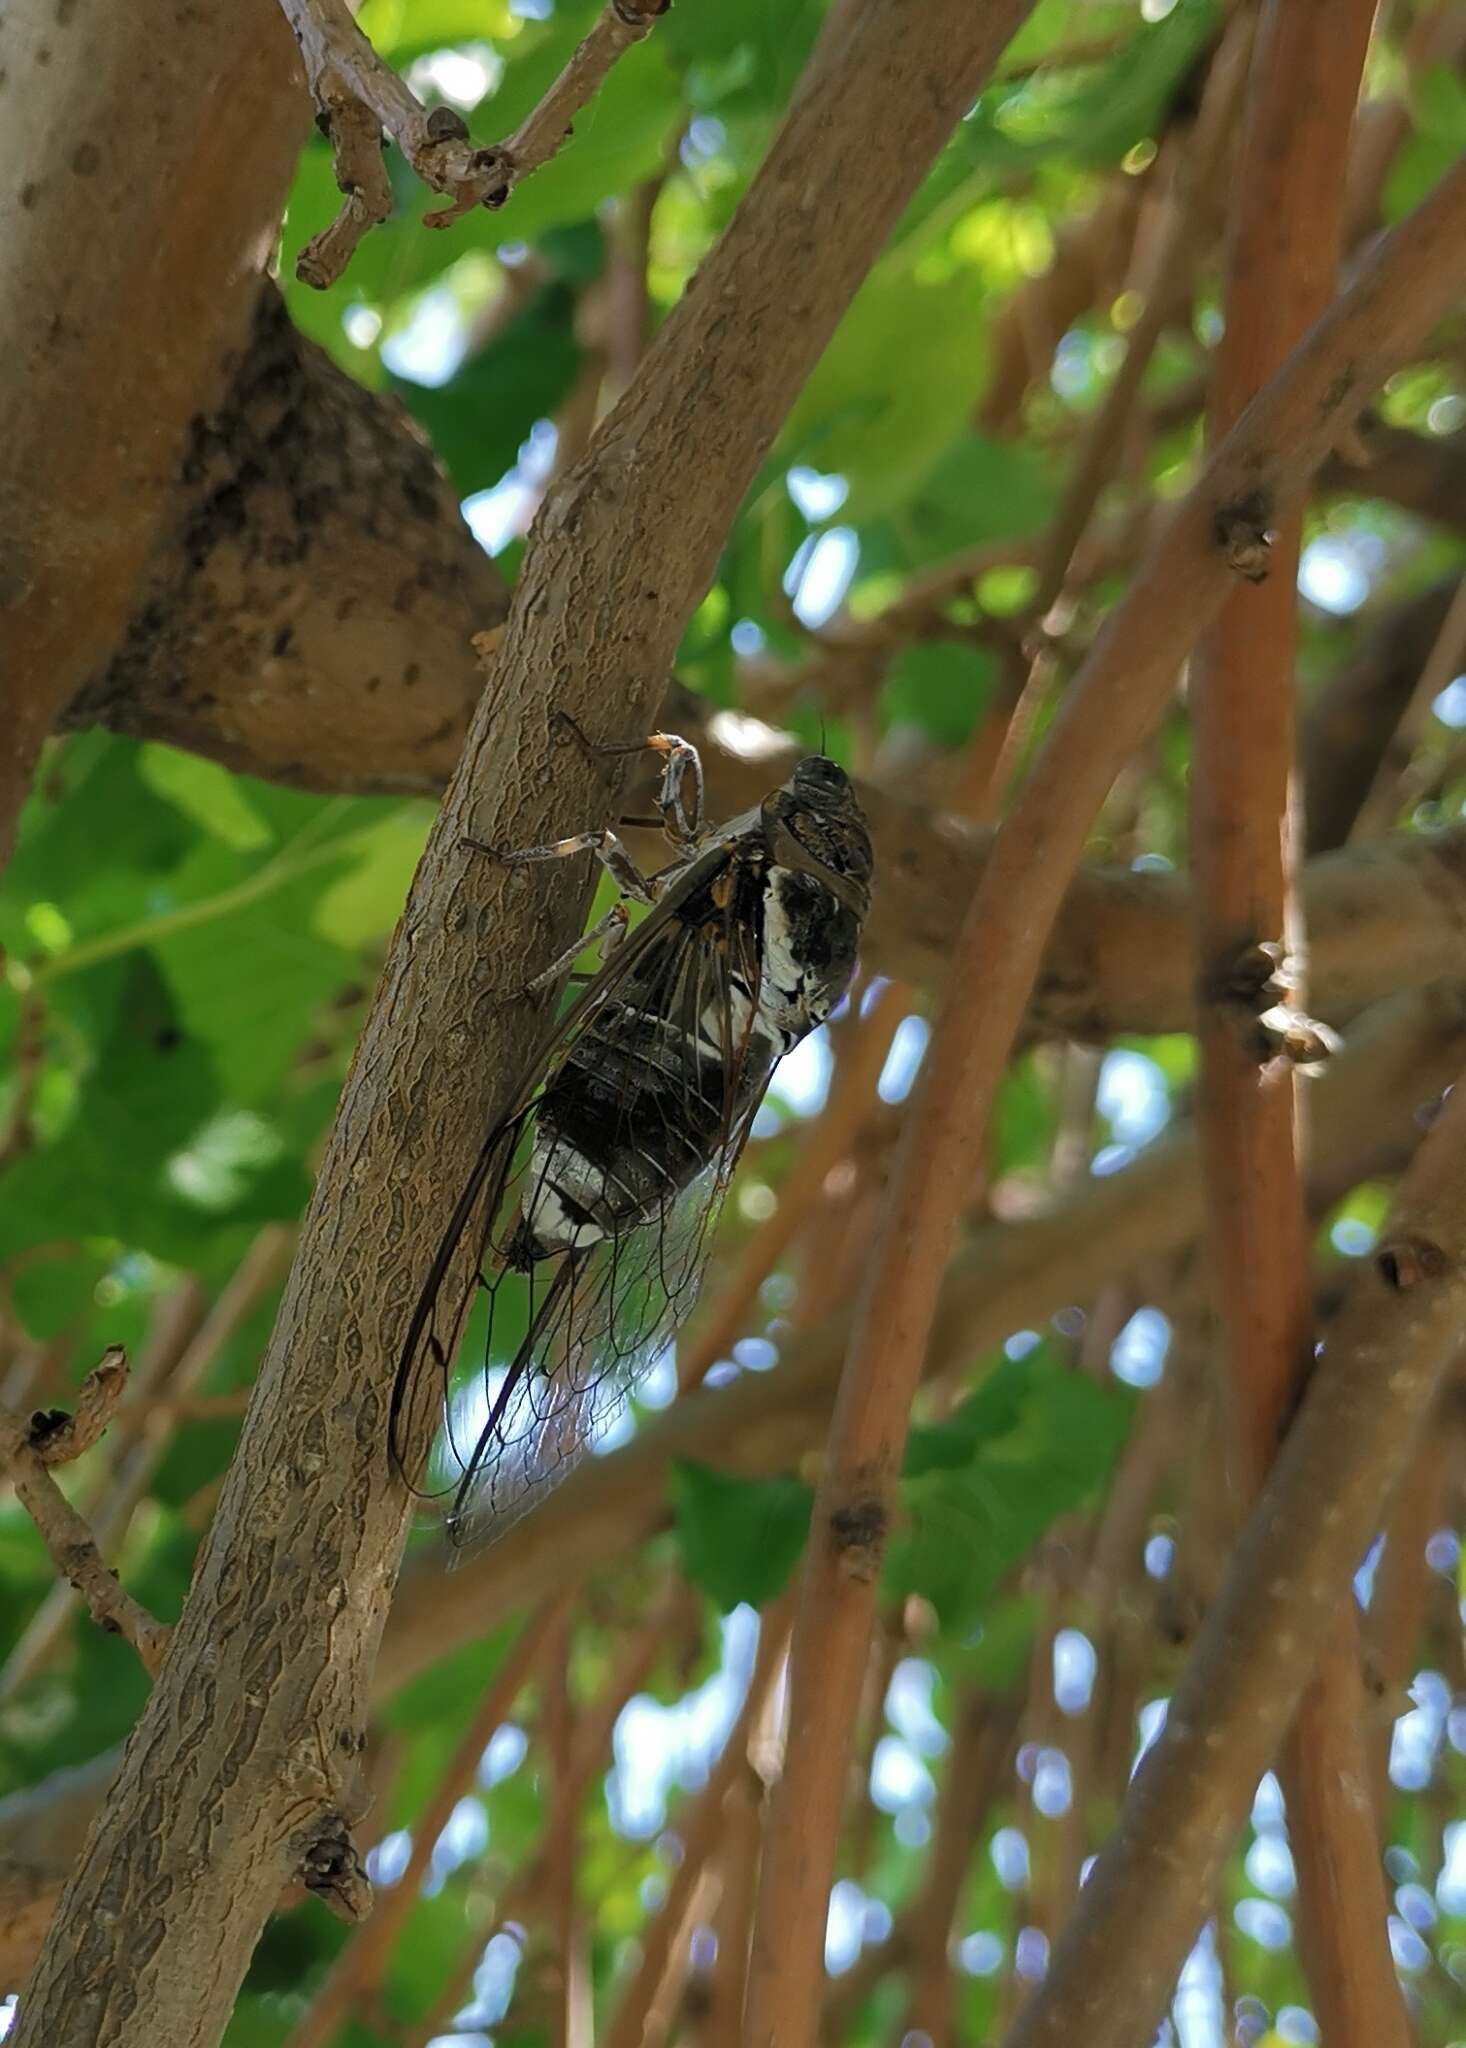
[[240, 1771]]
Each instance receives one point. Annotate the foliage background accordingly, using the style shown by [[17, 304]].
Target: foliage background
[[189, 953]]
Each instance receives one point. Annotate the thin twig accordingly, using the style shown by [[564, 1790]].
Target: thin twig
[[56, 1437], [363, 1961], [1220, 530], [70, 1542], [1391, 786], [181, 1351], [357, 95], [1191, 179], [700, 1830]]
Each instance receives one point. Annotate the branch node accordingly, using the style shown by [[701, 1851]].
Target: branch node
[[1245, 534], [331, 1868], [56, 1437], [1304, 1041], [1407, 1262], [859, 1529], [1254, 976]]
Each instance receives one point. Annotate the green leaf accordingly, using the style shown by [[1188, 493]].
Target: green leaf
[[1034, 1442], [940, 688], [478, 420], [740, 1538], [206, 793], [150, 1090], [894, 386], [740, 54]]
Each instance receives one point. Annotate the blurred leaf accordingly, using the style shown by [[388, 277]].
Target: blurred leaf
[[740, 53], [740, 1539], [942, 689], [1438, 103], [894, 386], [1033, 1442], [151, 1089], [478, 420], [206, 793]]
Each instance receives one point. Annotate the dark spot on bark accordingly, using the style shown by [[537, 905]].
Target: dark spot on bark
[[373, 685], [1338, 391], [419, 494], [411, 673], [43, 55], [1243, 528], [86, 159], [282, 640], [446, 124], [28, 196], [64, 11], [860, 1524], [344, 609], [1408, 1261]]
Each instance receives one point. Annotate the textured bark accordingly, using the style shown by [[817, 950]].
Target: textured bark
[[306, 608], [162, 136], [244, 1762]]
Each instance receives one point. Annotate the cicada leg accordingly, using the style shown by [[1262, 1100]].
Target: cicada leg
[[681, 813], [606, 847]]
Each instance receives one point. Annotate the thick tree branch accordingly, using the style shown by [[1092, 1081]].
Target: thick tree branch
[[1286, 228], [1257, 477], [107, 361], [1383, 1362], [212, 1813]]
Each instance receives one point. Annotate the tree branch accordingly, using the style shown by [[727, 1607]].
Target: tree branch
[[28, 1449], [194, 168], [211, 1815], [1286, 228], [357, 95], [1383, 1362], [1257, 477]]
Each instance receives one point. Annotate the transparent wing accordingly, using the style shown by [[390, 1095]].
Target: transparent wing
[[538, 1354]]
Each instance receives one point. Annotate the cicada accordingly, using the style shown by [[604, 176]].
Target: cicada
[[591, 1205]]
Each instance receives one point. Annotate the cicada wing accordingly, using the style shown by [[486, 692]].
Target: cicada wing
[[559, 1367]]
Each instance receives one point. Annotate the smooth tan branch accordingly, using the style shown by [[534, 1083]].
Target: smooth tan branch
[[358, 96]]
